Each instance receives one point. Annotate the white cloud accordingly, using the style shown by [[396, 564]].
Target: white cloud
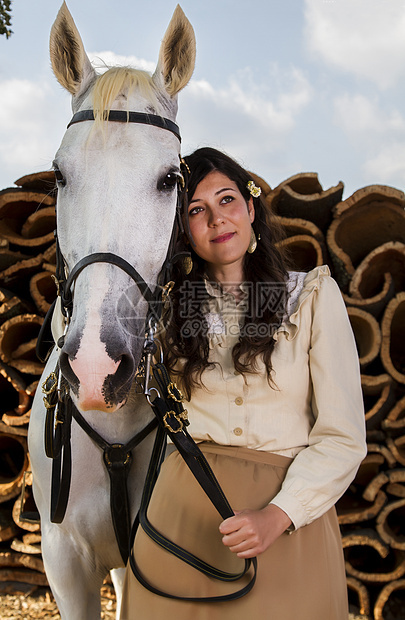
[[30, 114], [263, 103], [273, 104], [388, 164], [20, 105], [377, 134], [363, 37], [363, 118], [101, 60]]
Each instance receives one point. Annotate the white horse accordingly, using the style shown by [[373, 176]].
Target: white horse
[[116, 194]]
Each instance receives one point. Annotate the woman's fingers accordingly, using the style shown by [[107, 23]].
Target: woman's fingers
[[251, 532]]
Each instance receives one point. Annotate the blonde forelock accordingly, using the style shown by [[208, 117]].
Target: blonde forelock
[[121, 81]]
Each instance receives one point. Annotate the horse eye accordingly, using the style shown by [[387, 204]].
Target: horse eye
[[169, 181], [60, 180]]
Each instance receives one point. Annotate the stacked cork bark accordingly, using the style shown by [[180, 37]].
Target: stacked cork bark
[[27, 262], [362, 239]]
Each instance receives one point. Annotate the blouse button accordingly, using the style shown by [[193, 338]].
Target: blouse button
[[239, 400], [237, 431]]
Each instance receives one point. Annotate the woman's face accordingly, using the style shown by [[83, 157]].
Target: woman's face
[[220, 222]]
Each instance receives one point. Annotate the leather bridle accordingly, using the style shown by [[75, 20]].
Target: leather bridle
[[60, 408], [65, 283]]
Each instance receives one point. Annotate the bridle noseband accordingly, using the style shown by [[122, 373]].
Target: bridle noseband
[[65, 284]]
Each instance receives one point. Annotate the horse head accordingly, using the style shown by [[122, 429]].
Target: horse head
[[117, 191]]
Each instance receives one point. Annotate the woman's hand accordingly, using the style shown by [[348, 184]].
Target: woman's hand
[[251, 532]]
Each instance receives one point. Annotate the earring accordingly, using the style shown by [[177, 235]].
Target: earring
[[187, 265], [253, 242]]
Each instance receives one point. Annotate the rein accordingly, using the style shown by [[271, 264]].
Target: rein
[[173, 421]]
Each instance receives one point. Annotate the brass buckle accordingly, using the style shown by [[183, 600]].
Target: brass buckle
[[185, 164], [166, 290], [49, 387], [50, 390], [113, 455], [180, 418], [178, 397], [57, 283]]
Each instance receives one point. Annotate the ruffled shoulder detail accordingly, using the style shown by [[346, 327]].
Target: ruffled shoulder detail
[[301, 287]]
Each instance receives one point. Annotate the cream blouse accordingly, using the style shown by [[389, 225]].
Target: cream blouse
[[314, 411]]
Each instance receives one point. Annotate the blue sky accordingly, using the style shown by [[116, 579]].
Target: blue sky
[[285, 86]]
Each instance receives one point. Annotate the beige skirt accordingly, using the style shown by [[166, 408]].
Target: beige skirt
[[300, 577]]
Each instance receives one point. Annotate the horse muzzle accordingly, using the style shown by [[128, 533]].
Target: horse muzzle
[[98, 381]]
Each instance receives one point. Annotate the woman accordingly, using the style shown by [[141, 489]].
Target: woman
[[269, 366]]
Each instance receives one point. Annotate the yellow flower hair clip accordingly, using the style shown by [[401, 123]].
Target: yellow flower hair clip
[[253, 189]]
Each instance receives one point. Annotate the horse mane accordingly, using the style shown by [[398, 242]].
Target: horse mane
[[121, 80]]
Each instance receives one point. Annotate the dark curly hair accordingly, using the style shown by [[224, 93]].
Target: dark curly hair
[[266, 265]]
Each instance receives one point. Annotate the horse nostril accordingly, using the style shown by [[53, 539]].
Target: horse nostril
[[116, 386]]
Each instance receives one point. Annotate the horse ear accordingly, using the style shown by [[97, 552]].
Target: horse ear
[[70, 63], [177, 54]]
